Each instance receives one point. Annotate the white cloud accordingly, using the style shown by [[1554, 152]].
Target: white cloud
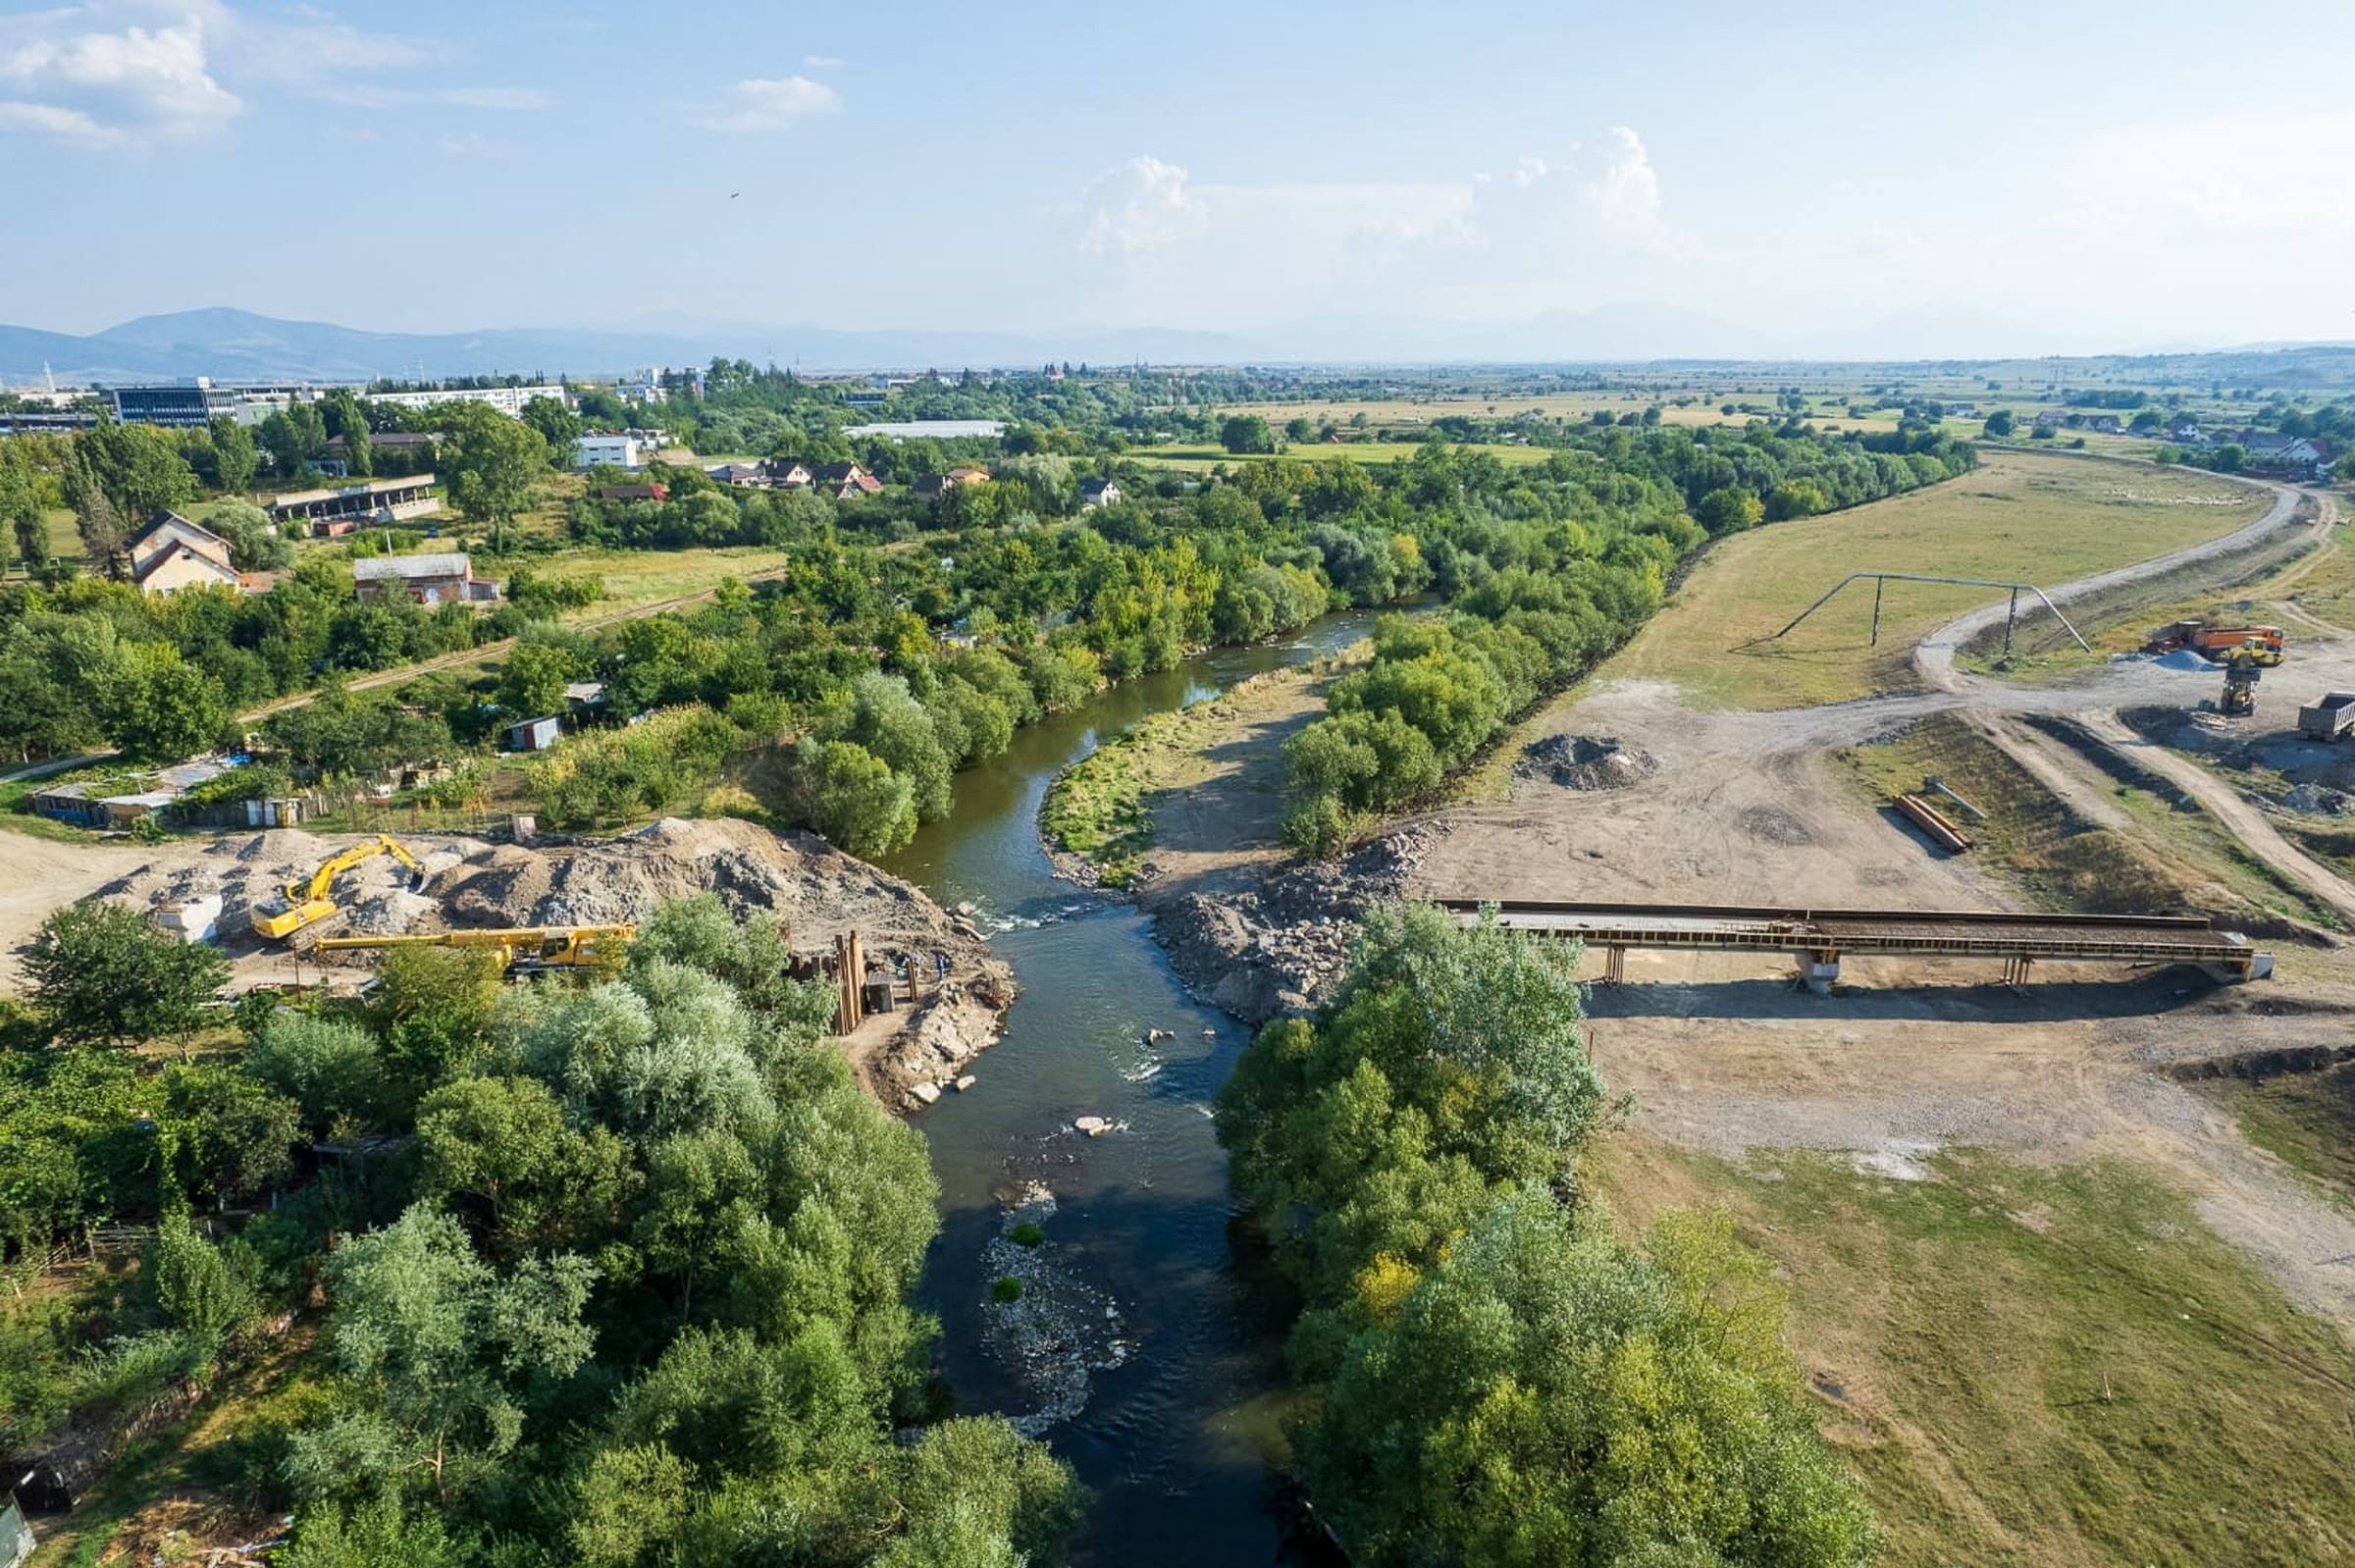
[[75, 76], [762, 103], [1526, 172], [50, 120], [823, 61], [1141, 205], [133, 73], [1626, 194]]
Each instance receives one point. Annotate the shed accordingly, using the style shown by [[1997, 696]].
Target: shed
[[533, 734]]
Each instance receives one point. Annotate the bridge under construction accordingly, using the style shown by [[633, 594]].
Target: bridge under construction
[[1819, 938]]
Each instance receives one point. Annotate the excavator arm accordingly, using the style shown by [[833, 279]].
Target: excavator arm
[[306, 900]]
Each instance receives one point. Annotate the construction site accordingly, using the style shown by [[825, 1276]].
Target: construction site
[[919, 992]]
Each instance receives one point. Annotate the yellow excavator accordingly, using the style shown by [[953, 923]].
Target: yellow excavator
[[521, 949], [304, 901]]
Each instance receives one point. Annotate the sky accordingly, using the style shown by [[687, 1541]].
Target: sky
[[1998, 178]]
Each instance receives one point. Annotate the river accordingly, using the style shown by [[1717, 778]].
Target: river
[[1174, 1442]]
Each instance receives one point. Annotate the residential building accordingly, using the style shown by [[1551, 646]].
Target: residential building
[[439, 579], [2272, 452], [844, 480], [621, 451], [934, 485], [171, 553], [748, 475], [786, 473], [641, 387], [378, 500], [1098, 493], [653, 492], [508, 401]]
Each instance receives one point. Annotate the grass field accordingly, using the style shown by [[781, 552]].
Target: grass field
[[2018, 517], [636, 578], [2039, 1366]]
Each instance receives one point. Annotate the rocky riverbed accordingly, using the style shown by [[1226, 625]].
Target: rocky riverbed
[[1278, 944]]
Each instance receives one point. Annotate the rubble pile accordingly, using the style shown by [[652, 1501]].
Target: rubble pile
[[1586, 763], [1280, 947], [816, 889]]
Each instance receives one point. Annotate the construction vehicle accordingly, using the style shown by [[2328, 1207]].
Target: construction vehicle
[[2330, 718], [2242, 670], [304, 902], [521, 949], [2214, 643]]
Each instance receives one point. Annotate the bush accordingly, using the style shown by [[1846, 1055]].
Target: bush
[[1027, 1235], [1006, 1290]]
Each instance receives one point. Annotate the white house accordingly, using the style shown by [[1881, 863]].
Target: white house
[[623, 452]]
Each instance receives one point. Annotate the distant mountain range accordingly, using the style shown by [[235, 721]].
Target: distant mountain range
[[239, 346]]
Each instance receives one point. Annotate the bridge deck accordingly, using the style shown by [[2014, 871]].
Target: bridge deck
[[1824, 936]]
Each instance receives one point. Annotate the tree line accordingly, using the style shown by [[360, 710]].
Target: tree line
[[614, 1271]]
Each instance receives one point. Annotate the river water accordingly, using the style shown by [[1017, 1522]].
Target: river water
[[1172, 1442]]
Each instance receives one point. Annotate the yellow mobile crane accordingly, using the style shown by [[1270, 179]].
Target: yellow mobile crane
[[304, 901], [521, 949]]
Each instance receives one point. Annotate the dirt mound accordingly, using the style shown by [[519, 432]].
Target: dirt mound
[[1586, 763]]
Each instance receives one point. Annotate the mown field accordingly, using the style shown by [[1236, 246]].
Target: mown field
[[2020, 518], [2036, 1365]]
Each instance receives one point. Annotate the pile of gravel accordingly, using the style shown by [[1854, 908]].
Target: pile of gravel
[[1586, 763]]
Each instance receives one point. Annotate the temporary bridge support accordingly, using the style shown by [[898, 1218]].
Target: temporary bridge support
[[1820, 938], [1881, 579]]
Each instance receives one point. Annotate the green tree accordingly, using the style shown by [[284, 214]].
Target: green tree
[[207, 1291], [852, 797], [137, 468], [532, 684], [100, 972], [493, 465], [442, 1348], [234, 456], [501, 1154], [433, 1009], [1297, 430], [160, 707], [1246, 434], [1729, 509], [254, 543], [558, 426]]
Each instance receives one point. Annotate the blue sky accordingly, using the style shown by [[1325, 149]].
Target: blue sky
[[2003, 178]]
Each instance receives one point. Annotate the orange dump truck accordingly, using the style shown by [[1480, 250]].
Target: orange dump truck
[[2215, 642]]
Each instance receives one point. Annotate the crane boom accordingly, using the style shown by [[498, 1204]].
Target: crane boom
[[519, 947]]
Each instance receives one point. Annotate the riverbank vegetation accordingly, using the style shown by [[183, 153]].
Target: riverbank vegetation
[[1544, 572], [611, 1272], [1497, 1375]]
